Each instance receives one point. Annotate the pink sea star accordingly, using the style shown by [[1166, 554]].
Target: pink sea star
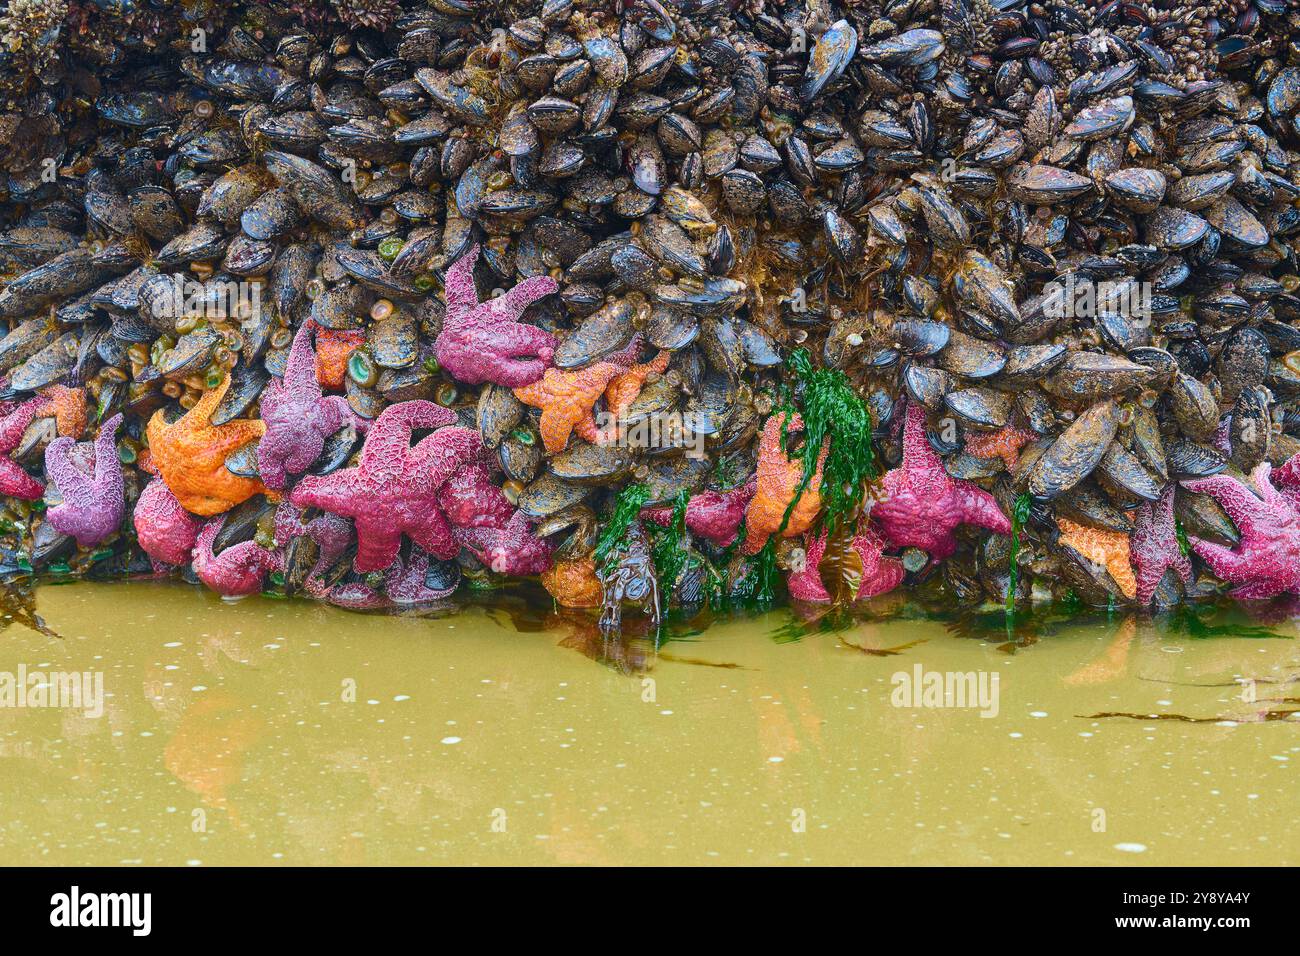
[[485, 341], [488, 526], [712, 515], [923, 504], [392, 490], [92, 505], [237, 571], [165, 530], [1287, 480], [1266, 561], [14, 481], [1154, 545], [512, 549], [879, 573], [299, 418]]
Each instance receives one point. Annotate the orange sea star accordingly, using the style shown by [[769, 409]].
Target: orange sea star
[[779, 477], [1108, 548], [190, 455], [566, 398], [1005, 443], [573, 583], [333, 349]]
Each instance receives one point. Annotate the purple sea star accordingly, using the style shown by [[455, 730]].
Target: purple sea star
[[1266, 561], [485, 341], [14, 481], [712, 515], [166, 531], [923, 504], [237, 571], [470, 499], [392, 490], [1154, 545], [299, 417], [92, 505]]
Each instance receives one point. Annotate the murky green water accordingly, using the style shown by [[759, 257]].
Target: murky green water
[[270, 732]]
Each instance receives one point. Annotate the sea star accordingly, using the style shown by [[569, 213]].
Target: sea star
[[573, 582], [331, 533], [712, 515], [237, 571], [623, 390], [1266, 561], [779, 477], [92, 505], [333, 349], [923, 504], [1287, 480], [1005, 443], [14, 481], [566, 398], [485, 341], [392, 490], [1101, 546], [298, 417], [879, 573], [1154, 545], [68, 406], [470, 499], [166, 531], [512, 550], [190, 455]]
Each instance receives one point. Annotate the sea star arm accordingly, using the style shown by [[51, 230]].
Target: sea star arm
[[108, 470], [300, 366], [514, 302], [1247, 512], [72, 482], [390, 437], [1273, 499], [980, 508], [1224, 562], [458, 288], [518, 344], [335, 493]]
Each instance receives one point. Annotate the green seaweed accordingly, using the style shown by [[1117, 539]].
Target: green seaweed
[[1181, 534], [1019, 515], [831, 408], [670, 556], [630, 502]]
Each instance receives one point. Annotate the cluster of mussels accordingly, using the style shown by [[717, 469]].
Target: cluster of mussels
[[660, 300]]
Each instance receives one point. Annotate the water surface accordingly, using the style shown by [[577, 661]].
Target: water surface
[[279, 732]]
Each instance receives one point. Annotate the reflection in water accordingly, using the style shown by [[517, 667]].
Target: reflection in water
[[311, 735]]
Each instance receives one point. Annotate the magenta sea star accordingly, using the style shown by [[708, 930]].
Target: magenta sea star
[[14, 481], [485, 341], [392, 490], [92, 505], [299, 418], [712, 515], [404, 585], [237, 571], [488, 526], [923, 504], [1266, 561], [1154, 545], [166, 531], [879, 573]]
